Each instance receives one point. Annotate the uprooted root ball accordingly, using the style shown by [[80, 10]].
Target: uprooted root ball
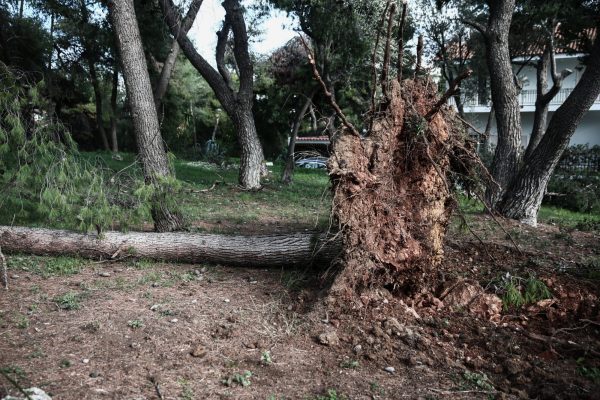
[[391, 198]]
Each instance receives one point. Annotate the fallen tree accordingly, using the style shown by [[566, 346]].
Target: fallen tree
[[235, 250]]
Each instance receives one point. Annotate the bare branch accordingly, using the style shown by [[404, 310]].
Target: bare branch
[[387, 53], [235, 18], [475, 25], [452, 90], [419, 55], [374, 60], [401, 40], [338, 110], [172, 17]]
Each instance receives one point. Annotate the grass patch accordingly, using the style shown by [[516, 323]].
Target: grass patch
[[47, 266], [69, 301]]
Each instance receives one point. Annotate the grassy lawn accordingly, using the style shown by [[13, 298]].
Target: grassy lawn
[[211, 200]]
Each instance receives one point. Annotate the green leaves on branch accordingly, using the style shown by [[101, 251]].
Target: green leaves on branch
[[42, 172]]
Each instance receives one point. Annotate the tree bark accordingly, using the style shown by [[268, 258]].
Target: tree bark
[[165, 75], [113, 108], [540, 114], [167, 70], [98, 102], [90, 56], [524, 196], [288, 172], [247, 251], [504, 96], [155, 163], [237, 104]]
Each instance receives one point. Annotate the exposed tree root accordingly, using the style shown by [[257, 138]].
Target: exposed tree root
[[392, 198]]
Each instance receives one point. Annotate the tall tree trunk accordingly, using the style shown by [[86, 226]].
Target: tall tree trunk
[[504, 96], [524, 196], [113, 109], [236, 250], [98, 101], [155, 163], [288, 172], [165, 75], [21, 7]]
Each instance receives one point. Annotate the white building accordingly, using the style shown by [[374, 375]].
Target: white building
[[588, 131]]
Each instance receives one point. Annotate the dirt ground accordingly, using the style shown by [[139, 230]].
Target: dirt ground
[[140, 330]]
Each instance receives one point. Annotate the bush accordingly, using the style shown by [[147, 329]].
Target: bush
[[576, 183]]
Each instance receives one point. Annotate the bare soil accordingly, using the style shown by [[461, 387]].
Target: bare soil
[[138, 330]]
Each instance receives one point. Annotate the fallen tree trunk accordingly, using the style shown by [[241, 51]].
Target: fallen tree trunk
[[235, 250]]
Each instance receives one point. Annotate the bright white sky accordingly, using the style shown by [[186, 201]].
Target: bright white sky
[[277, 28]]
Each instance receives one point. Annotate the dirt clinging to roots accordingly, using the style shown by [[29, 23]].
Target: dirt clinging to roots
[[391, 197]]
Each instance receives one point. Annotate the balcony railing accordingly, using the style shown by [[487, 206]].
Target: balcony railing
[[526, 98]]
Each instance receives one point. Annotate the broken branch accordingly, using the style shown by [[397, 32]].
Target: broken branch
[[332, 102], [454, 87]]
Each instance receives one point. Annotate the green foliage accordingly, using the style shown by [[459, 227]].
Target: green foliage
[[135, 323], [47, 266], [238, 379], [349, 364], [517, 292], [265, 357], [591, 373], [69, 301], [475, 380], [576, 183], [331, 394], [44, 177]]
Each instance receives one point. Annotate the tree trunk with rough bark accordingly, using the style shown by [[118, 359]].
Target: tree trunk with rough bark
[[288, 172], [505, 96], [252, 156], [249, 251], [524, 196], [153, 156]]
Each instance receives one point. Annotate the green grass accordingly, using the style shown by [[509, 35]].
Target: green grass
[[69, 301], [305, 204], [47, 266]]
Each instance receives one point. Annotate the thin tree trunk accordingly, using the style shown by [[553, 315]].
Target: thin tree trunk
[[488, 129], [165, 75], [113, 107], [540, 115], [98, 101], [21, 7], [288, 172], [234, 250], [313, 119], [505, 98], [155, 163], [525, 194]]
